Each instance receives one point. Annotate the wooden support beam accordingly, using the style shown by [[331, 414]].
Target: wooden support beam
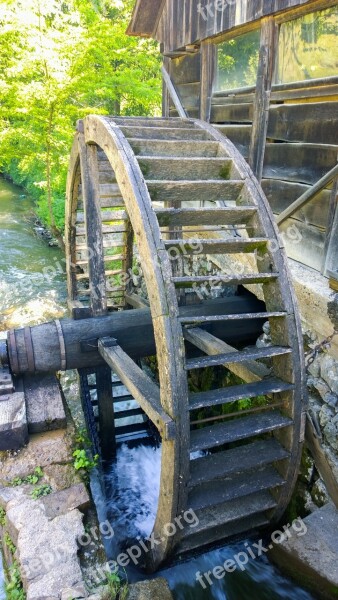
[[267, 55], [173, 94], [308, 195], [331, 242], [208, 64], [93, 225], [165, 92], [249, 371], [141, 387], [321, 461], [97, 281]]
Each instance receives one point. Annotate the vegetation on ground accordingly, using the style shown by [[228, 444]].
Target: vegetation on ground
[[14, 589]]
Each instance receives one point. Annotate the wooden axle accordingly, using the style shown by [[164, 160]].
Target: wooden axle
[[69, 344]]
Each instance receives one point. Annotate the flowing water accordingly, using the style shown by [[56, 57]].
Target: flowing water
[[132, 486], [32, 290], [32, 274]]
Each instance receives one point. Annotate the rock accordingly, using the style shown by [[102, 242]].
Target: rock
[[331, 400], [321, 387], [157, 589], [64, 501], [312, 559], [13, 421], [46, 549], [326, 415], [61, 477], [329, 372], [264, 341], [314, 368], [267, 328], [331, 432], [319, 493], [50, 585], [44, 402], [43, 449], [72, 593]]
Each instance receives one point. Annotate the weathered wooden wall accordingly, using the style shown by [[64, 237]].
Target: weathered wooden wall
[[182, 23], [301, 147], [301, 142]]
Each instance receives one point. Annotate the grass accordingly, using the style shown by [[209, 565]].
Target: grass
[[2, 517], [14, 588], [117, 588]]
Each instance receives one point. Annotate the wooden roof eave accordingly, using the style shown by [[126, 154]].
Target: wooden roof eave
[[145, 18]]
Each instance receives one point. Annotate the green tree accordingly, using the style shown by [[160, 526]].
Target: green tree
[[59, 62]]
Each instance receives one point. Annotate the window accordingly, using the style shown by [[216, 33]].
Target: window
[[308, 47], [237, 62]]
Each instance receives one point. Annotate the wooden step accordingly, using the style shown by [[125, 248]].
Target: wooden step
[[106, 202], [204, 216], [236, 460], [133, 428], [238, 392], [232, 317], [237, 429], [178, 168], [187, 282], [125, 414], [190, 191], [107, 243], [228, 512], [154, 122], [217, 246], [106, 215], [112, 258], [105, 229], [108, 273], [216, 534], [235, 486], [235, 357], [166, 133], [185, 148]]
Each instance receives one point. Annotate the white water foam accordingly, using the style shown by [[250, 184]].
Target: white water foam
[[135, 484], [133, 488]]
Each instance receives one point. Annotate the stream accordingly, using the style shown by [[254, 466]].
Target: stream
[[33, 290]]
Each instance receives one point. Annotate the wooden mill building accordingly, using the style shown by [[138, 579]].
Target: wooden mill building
[[265, 74]]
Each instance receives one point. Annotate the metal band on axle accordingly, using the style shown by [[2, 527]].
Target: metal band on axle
[[13, 352], [62, 345], [29, 349]]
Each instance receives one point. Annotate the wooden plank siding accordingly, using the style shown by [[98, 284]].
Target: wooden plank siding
[[300, 144], [181, 23], [185, 72]]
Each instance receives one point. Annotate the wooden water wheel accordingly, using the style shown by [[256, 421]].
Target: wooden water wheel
[[172, 195]]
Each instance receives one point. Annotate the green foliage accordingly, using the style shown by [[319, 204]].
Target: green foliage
[[8, 542], [60, 62], [238, 61], [2, 517], [83, 461], [33, 478], [41, 490], [118, 589], [82, 438], [14, 588]]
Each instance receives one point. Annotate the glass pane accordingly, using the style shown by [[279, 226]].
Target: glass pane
[[308, 47], [237, 62]]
